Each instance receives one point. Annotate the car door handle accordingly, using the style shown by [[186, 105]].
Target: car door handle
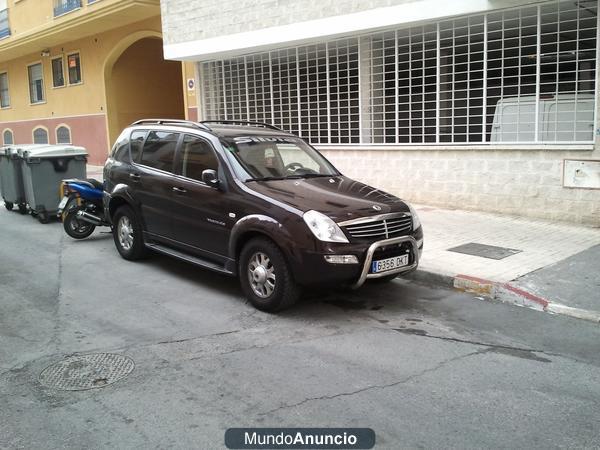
[[135, 176], [179, 190]]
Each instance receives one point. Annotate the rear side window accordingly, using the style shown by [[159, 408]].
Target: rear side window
[[197, 155], [135, 144], [119, 150], [159, 150]]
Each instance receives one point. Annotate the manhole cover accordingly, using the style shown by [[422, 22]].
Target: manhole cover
[[484, 251], [82, 372]]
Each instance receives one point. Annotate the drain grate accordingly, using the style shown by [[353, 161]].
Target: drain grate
[[485, 251], [82, 372]]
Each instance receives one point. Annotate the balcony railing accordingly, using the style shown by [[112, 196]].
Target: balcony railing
[[4, 28], [64, 6]]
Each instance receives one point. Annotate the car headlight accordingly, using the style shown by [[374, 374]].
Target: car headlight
[[323, 227], [415, 216]]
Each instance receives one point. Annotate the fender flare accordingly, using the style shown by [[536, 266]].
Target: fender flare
[[261, 224], [120, 193]]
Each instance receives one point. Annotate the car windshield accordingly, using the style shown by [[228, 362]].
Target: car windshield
[[278, 157]]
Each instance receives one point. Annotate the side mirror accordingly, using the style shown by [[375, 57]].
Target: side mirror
[[209, 176]]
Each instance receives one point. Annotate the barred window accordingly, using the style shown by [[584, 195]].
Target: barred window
[[519, 75], [40, 136], [7, 137], [63, 135]]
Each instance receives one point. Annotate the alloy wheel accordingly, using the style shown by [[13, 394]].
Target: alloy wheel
[[261, 274], [125, 233]]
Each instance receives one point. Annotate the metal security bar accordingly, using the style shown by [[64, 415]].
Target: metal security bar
[[64, 6], [521, 75]]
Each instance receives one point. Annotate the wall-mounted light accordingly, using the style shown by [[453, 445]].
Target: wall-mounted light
[[45, 52]]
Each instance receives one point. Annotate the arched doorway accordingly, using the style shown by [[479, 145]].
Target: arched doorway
[[140, 84]]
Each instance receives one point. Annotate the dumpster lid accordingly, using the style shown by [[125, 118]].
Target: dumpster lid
[[12, 149], [51, 151]]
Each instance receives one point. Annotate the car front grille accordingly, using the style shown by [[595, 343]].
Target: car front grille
[[389, 227]]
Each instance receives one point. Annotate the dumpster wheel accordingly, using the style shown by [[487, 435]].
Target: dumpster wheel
[[43, 217], [8, 205], [23, 208]]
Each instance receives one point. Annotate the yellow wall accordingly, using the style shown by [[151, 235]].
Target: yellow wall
[[25, 15], [143, 88], [28, 16]]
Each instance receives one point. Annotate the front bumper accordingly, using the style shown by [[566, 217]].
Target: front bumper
[[311, 269], [365, 275]]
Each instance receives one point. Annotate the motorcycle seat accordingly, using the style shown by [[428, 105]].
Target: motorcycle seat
[[90, 182]]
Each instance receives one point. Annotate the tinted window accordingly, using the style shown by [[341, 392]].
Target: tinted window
[[197, 155], [136, 142], [159, 150]]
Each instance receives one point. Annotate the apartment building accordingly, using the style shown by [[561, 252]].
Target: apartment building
[[476, 104], [78, 71]]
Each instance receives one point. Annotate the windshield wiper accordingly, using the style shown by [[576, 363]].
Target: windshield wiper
[[316, 175], [289, 177]]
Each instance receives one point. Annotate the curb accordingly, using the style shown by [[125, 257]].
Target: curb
[[503, 292]]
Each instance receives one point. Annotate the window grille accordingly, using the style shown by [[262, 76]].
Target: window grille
[[63, 135], [520, 75], [7, 136], [40, 136]]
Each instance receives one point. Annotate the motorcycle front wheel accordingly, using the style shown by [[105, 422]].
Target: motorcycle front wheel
[[76, 228]]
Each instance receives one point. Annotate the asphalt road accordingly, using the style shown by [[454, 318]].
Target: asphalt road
[[423, 367]]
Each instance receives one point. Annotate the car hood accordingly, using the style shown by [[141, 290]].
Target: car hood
[[338, 197]]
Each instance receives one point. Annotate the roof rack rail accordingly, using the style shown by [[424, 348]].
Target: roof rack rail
[[243, 122], [188, 123]]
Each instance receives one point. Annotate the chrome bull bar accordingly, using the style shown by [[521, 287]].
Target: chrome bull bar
[[365, 275]]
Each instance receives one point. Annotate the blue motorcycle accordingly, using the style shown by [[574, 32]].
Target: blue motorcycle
[[81, 207]]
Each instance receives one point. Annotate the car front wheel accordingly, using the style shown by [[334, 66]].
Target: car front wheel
[[265, 276], [127, 234]]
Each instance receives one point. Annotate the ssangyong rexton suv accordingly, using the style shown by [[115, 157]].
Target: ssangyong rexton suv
[[250, 200]]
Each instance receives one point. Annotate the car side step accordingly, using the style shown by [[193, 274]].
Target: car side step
[[188, 258]]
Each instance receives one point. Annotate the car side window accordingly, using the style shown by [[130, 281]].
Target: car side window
[[159, 150], [197, 155], [119, 151], [135, 144]]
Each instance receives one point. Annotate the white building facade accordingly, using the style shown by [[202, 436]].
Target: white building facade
[[470, 104]]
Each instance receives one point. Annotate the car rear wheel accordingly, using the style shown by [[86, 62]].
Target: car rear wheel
[[127, 234], [265, 276]]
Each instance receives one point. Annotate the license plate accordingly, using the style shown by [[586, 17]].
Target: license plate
[[63, 203], [383, 265]]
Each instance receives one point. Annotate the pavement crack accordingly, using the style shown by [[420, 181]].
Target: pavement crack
[[373, 387], [177, 341], [465, 341]]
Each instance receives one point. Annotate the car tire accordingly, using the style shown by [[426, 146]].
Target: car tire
[[76, 228], [127, 234], [265, 276], [8, 206]]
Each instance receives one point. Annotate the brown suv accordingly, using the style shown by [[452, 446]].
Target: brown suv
[[250, 200]]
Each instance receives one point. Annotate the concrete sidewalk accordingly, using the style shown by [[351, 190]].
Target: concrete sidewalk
[[551, 266]]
